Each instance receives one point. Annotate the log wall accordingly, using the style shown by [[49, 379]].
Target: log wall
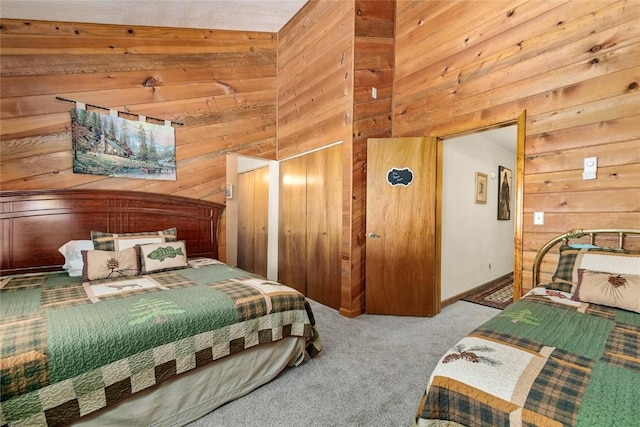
[[573, 66]]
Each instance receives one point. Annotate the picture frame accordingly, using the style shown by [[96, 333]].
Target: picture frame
[[481, 188], [504, 193]]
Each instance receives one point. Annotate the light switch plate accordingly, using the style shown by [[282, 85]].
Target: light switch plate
[[538, 218], [590, 168]]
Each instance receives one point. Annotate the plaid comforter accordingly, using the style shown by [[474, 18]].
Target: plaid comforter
[[544, 361], [70, 348]]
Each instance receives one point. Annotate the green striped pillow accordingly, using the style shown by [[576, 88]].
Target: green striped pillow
[[120, 241]]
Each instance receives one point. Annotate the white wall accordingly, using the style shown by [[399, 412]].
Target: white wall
[[476, 247]]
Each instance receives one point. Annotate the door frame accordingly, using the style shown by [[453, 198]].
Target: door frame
[[519, 121]]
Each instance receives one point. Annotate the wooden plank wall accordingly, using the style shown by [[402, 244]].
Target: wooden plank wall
[[330, 56], [316, 97], [221, 84], [315, 78], [373, 67], [574, 66]]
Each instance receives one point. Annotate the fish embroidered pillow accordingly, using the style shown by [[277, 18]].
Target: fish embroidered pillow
[[162, 256]]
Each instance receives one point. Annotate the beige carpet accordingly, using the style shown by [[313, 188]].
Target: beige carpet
[[372, 372]]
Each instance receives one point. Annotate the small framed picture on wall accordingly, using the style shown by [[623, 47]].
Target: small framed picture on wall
[[481, 187], [504, 193]]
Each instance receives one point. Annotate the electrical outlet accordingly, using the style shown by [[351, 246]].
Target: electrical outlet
[[538, 218], [374, 93]]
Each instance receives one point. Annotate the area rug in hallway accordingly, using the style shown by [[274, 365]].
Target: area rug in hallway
[[498, 294]]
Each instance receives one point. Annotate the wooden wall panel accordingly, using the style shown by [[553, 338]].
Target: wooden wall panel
[[373, 67], [221, 84], [572, 65], [330, 57], [315, 78]]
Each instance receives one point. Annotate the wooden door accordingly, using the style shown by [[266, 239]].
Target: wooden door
[[261, 220], [253, 213], [246, 212], [324, 225], [400, 225], [292, 223]]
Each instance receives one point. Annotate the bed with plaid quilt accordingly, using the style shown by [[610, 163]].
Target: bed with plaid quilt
[[70, 348], [544, 361]]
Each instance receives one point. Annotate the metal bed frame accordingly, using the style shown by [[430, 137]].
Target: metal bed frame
[[576, 234]]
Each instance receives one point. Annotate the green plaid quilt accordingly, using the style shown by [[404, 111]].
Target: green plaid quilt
[[543, 361], [70, 348]]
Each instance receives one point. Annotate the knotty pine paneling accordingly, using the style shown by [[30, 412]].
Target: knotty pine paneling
[[315, 104], [572, 65], [330, 56], [315, 78], [373, 67], [221, 84]]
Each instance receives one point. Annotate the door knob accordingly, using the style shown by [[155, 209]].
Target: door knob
[[373, 235]]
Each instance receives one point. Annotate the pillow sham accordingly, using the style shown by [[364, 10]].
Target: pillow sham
[[610, 289], [117, 242], [71, 251], [596, 259], [110, 264], [162, 256]]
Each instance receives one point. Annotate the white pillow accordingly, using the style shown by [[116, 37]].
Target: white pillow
[[73, 263]]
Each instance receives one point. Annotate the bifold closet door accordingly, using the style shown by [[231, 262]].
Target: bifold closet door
[[310, 228], [253, 210], [292, 224], [324, 225]]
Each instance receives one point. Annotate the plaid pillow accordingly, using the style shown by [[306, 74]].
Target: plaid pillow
[[117, 242], [564, 270]]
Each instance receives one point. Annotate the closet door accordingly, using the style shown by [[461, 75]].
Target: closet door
[[324, 225], [292, 224], [261, 220], [246, 210], [309, 254], [253, 209]]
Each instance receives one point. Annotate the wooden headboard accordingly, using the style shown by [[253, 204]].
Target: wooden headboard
[[36, 223]]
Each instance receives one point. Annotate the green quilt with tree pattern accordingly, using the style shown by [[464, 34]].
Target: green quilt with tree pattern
[[70, 348]]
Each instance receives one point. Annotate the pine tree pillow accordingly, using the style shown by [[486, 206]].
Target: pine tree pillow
[[610, 289], [110, 264], [162, 256]]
